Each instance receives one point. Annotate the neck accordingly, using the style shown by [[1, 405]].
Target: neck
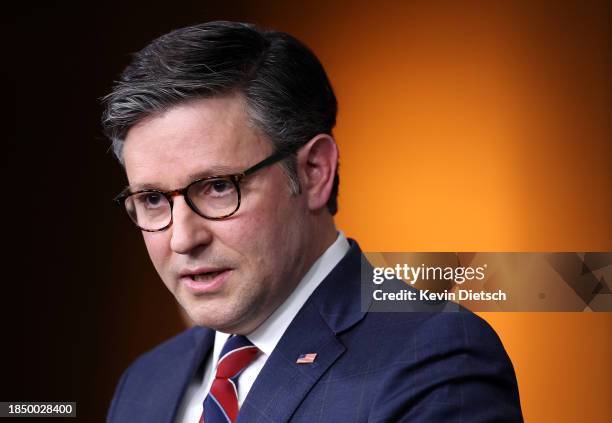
[[324, 234]]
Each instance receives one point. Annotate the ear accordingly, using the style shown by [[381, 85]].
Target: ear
[[317, 163]]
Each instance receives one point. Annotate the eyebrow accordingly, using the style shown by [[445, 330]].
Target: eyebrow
[[219, 170]]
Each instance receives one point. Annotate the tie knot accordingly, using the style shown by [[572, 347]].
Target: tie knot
[[237, 353]]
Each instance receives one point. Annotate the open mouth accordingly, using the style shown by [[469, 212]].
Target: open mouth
[[205, 277]]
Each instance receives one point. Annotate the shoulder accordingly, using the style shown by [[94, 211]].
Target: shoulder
[[460, 329], [436, 365], [426, 333]]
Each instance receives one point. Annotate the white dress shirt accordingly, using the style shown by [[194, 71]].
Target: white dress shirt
[[265, 337]]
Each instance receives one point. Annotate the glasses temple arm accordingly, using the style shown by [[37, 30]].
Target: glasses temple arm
[[278, 156]]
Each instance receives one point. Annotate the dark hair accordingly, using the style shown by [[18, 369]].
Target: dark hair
[[287, 92]]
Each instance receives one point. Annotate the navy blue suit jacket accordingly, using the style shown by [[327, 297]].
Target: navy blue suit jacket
[[370, 367]]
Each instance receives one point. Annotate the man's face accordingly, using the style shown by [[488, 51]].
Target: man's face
[[229, 274]]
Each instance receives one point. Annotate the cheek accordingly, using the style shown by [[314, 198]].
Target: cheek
[[275, 230], [255, 237], [157, 247]]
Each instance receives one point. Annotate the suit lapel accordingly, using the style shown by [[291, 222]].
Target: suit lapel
[[282, 384], [178, 372]]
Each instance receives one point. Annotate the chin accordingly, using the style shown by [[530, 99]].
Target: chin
[[200, 318], [223, 316]]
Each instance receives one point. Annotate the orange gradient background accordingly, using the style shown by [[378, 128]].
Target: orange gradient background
[[480, 126]]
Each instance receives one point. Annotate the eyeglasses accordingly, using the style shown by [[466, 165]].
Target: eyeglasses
[[213, 197]]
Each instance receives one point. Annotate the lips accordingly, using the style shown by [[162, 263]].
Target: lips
[[203, 270], [204, 280], [204, 277]]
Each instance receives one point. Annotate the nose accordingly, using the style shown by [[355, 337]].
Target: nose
[[189, 230]]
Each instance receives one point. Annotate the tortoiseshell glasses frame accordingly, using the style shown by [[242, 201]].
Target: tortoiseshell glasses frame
[[127, 199]]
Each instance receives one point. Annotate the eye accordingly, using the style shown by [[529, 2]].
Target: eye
[[153, 199], [217, 188], [150, 200]]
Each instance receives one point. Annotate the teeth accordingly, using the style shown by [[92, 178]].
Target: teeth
[[204, 277]]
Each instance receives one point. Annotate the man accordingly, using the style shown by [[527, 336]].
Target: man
[[225, 132]]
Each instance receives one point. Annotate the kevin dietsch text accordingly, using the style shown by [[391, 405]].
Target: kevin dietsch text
[[426, 295]]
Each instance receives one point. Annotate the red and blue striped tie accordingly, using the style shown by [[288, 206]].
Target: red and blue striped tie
[[221, 403]]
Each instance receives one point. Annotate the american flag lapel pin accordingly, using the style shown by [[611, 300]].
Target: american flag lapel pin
[[306, 358]]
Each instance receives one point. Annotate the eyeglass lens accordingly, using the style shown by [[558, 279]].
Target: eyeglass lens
[[212, 198]]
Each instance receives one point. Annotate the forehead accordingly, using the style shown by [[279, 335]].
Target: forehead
[[204, 136]]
